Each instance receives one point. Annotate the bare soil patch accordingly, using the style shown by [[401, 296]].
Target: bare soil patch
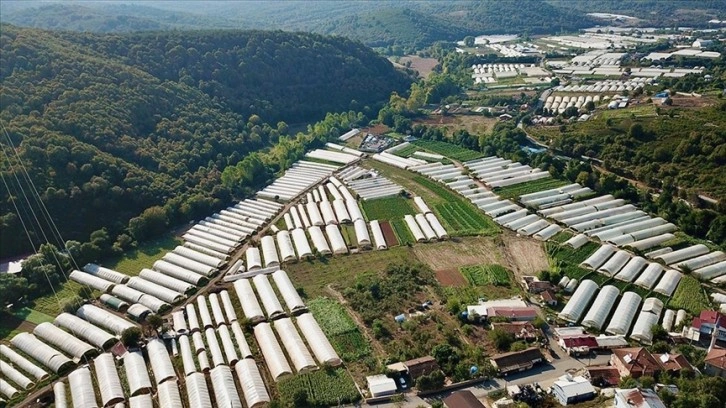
[[462, 252], [388, 233], [474, 124], [526, 256], [684, 101], [450, 277], [378, 129], [424, 66]]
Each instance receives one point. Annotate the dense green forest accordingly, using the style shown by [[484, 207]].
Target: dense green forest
[[685, 145], [131, 133], [407, 24]]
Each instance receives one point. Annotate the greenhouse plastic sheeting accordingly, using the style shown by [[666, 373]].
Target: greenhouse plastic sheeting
[[109, 383], [271, 351], [250, 380], [137, 374], [197, 391], [81, 384], [41, 352], [225, 391], [160, 361]]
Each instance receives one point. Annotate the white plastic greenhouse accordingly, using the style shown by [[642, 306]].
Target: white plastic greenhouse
[[91, 281], [15, 376], [102, 318], [631, 270], [643, 328], [668, 283], [192, 317], [353, 209], [284, 242], [64, 341], [197, 391], [361, 233], [8, 390], [86, 331], [210, 335], [437, 227], [289, 224], [271, 351], [272, 305], [716, 270], [23, 363], [252, 255], [316, 339], [180, 273], [197, 256], [319, 242], [105, 273], [81, 385], [247, 299], [160, 362], [579, 301], [185, 349], [599, 257], [577, 241], [168, 282], [60, 400], [228, 306], [204, 312], [179, 323], [303, 215], [668, 318], [703, 260], [683, 254], [421, 205], [615, 263], [341, 211], [548, 232], [680, 317], [300, 357], [649, 276], [326, 209], [109, 383], [302, 246], [292, 299], [190, 264], [137, 374], [198, 340], [378, 238], [269, 251], [414, 228], [168, 395], [314, 213], [425, 227], [156, 290], [296, 220], [216, 307], [230, 353], [337, 243], [250, 380], [239, 337], [624, 314], [600, 309]]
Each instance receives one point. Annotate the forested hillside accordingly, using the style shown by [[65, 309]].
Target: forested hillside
[[111, 125]]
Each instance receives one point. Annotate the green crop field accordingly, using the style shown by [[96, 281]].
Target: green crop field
[[449, 150], [132, 262], [517, 190], [480, 275], [348, 232], [689, 295], [407, 151], [326, 387], [461, 219], [340, 328], [390, 208], [404, 235]]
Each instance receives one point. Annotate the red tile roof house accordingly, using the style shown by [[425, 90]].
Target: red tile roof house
[[513, 313], [711, 321], [549, 297], [603, 376], [635, 362], [674, 363], [575, 345], [715, 362]]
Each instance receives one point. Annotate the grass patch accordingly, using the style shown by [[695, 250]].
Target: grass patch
[[390, 208], [316, 274], [144, 256], [561, 237], [348, 232], [327, 387], [480, 275], [449, 150], [518, 190], [340, 329], [689, 295], [52, 304]]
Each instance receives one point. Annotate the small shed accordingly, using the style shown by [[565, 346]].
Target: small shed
[[381, 386]]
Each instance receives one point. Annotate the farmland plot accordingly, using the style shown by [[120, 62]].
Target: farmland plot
[[340, 328], [326, 387], [387, 208], [480, 275], [689, 295], [449, 150]]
